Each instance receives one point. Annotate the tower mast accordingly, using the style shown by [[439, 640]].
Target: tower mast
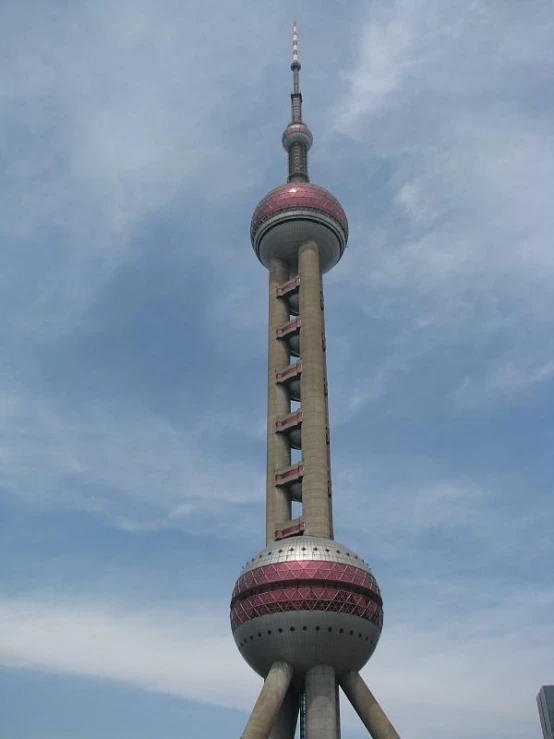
[[297, 139], [306, 612]]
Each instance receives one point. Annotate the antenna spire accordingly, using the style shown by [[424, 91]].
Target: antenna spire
[[294, 43], [295, 66], [297, 138]]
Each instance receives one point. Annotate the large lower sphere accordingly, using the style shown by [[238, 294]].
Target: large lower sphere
[[307, 601], [292, 214]]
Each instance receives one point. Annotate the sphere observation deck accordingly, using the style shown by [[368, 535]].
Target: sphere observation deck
[[306, 600], [294, 213]]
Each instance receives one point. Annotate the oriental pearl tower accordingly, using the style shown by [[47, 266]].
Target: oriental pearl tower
[[306, 612]]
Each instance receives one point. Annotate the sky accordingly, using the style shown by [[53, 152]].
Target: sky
[[136, 139]]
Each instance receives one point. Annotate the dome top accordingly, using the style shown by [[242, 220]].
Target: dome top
[[300, 548], [298, 196]]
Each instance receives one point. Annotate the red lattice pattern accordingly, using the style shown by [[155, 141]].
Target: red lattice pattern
[[310, 585], [298, 195], [301, 570], [315, 598]]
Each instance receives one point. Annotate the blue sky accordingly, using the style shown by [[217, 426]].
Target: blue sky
[[137, 138]]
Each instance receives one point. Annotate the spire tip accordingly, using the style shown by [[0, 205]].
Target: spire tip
[[294, 43]]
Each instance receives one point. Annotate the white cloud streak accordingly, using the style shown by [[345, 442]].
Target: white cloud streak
[[451, 99], [474, 676], [186, 653], [126, 463], [111, 114]]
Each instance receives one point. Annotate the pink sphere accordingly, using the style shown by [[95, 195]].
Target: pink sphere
[[294, 213]]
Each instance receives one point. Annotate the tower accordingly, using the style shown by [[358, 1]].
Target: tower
[[545, 704], [306, 612]]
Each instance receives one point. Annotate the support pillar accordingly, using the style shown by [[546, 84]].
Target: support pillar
[[328, 434], [285, 723], [321, 703], [337, 702], [269, 702], [366, 706], [278, 504], [316, 502]]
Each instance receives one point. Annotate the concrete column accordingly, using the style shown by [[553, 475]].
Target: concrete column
[[328, 429], [269, 702], [278, 505], [316, 503], [366, 706], [337, 702], [321, 703], [285, 723]]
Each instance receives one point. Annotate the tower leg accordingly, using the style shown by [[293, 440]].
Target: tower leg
[[285, 723], [367, 708], [269, 702], [337, 702], [321, 703]]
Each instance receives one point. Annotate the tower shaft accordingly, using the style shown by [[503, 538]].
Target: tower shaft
[[278, 499], [307, 331]]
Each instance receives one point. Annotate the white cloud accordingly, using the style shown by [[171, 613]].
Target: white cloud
[[112, 115], [450, 98], [187, 652], [412, 511], [126, 463], [474, 674]]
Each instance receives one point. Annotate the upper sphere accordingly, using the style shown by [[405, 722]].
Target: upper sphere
[[297, 133], [294, 213]]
